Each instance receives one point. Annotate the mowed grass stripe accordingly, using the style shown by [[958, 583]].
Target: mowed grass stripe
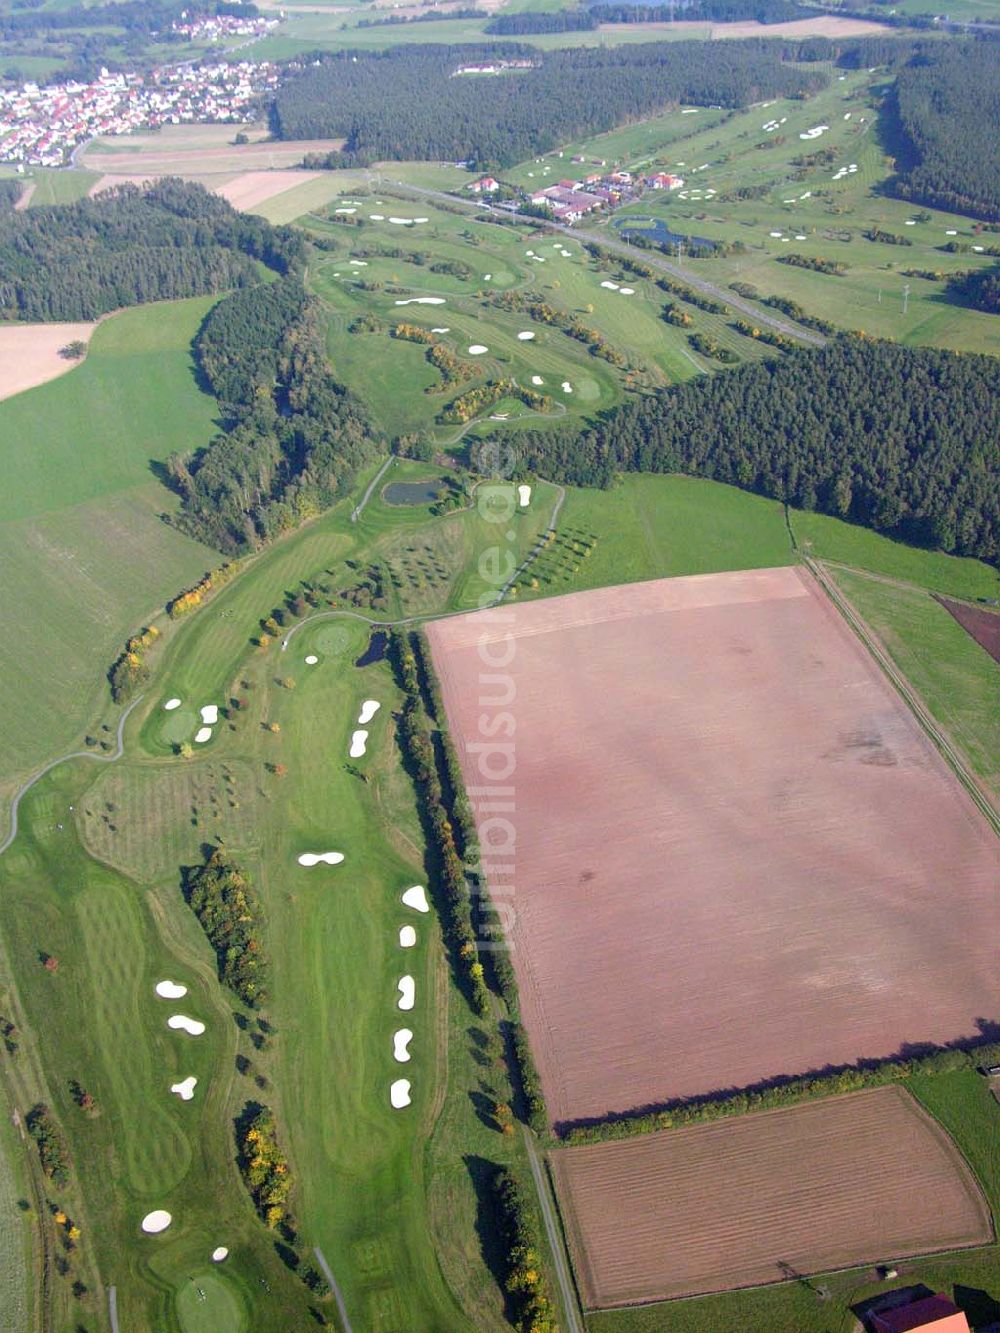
[[711, 1207]]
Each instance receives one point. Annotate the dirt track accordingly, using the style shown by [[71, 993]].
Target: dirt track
[[756, 1199], [737, 855]]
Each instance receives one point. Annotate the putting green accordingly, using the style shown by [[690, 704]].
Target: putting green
[[206, 1303], [178, 726]]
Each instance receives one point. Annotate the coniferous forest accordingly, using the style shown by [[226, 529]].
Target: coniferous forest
[[130, 245], [938, 109], [903, 440], [409, 102]]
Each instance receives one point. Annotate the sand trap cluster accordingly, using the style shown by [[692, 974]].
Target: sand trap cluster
[[523, 495], [219, 1253], [359, 743], [423, 300], [416, 898], [156, 1221], [407, 937], [368, 710], [171, 704], [477, 349], [209, 717], [845, 171], [400, 1042], [815, 132], [399, 1093], [181, 1023], [315, 858], [185, 1088], [170, 990]]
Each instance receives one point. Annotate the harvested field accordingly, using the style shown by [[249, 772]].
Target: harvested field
[[983, 626], [804, 1189], [25, 198], [254, 187], [737, 856], [823, 26], [29, 353], [193, 151]]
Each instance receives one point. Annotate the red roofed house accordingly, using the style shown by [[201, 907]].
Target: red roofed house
[[933, 1313], [485, 185]]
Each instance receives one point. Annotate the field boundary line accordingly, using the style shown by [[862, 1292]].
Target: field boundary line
[[567, 1286], [941, 742], [54, 763], [338, 1295]]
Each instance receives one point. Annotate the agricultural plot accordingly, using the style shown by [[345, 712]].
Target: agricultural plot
[[729, 806], [30, 354], [800, 1190]]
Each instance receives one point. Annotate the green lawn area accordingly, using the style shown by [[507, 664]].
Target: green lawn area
[[17, 1278], [58, 186], [958, 681], [81, 538]]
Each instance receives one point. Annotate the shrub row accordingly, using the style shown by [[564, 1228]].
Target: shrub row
[[524, 1281], [832, 267], [130, 668], [263, 1165], [221, 897], [721, 1105], [192, 598], [52, 1151]]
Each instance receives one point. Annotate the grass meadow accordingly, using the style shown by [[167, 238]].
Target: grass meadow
[[80, 530]]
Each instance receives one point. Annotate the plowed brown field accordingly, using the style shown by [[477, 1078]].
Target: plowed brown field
[[984, 626], [805, 1189], [730, 851]]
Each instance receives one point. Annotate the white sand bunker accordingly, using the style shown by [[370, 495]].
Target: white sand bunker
[[171, 704], [399, 1094], [611, 286], [525, 337], [537, 380], [423, 300], [170, 990], [775, 234], [345, 210], [312, 659], [567, 387], [402, 222], [358, 263], [407, 988], [951, 233], [158, 1220], [219, 1253], [523, 495], [368, 710], [314, 858], [400, 1041], [626, 291], [359, 741], [440, 330], [407, 937], [487, 277], [377, 217], [477, 349], [181, 1023], [202, 735], [416, 898], [185, 1089], [210, 714], [421, 219]]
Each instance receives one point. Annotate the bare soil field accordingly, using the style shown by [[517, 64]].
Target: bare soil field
[[729, 851], [196, 154], [25, 198], [29, 353], [984, 626], [254, 187], [825, 25], [757, 1199]]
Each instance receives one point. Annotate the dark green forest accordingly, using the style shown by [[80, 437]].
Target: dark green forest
[[943, 114], [903, 440], [408, 102], [10, 192], [980, 289], [130, 245], [293, 438]]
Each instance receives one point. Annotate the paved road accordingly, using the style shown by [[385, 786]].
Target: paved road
[[76, 754], [338, 1295], [570, 1308], [699, 284], [356, 511], [113, 1308]]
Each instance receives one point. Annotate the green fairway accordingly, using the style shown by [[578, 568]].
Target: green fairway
[[80, 531], [958, 680]]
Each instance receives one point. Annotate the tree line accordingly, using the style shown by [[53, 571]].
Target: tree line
[[222, 898], [292, 439], [130, 245], [902, 440], [943, 112], [409, 102]]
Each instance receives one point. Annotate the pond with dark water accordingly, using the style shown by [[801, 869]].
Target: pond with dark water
[[376, 650], [659, 232], [414, 492]]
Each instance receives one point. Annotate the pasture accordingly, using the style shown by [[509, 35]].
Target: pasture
[[799, 1190], [736, 702], [82, 539]]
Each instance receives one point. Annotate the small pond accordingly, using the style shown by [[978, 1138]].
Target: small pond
[[375, 652], [415, 492], [660, 232]]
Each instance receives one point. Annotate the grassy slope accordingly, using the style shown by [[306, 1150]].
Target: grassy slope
[[82, 541], [958, 680], [16, 1256]]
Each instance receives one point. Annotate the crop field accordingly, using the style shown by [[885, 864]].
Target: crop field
[[196, 150], [749, 758], [405, 392], [799, 1190], [81, 537], [29, 354]]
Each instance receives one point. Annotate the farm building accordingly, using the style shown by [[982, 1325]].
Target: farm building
[[664, 181], [934, 1313], [484, 185]]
